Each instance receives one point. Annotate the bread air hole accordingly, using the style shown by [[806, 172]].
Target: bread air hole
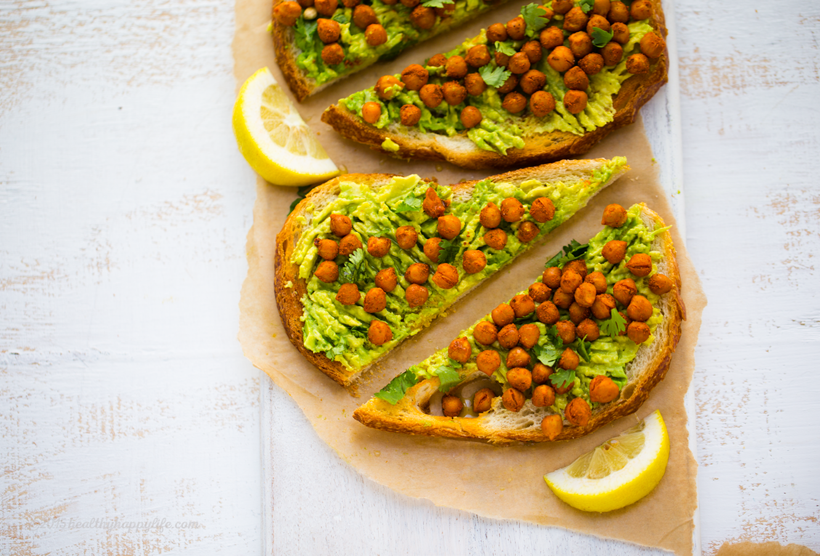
[[628, 391]]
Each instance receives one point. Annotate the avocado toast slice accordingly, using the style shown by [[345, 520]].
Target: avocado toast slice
[[342, 305], [510, 377], [543, 87]]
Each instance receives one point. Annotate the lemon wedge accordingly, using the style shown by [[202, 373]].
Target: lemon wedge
[[617, 473], [274, 139]]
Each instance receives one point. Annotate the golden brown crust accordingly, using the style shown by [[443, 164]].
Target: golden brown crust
[[283, 44], [634, 93], [407, 416]]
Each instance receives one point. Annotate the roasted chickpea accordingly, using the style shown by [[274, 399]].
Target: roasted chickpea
[[588, 330], [432, 206], [576, 79], [475, 85], [414, 77], [287, 13], [541, 373], [375, 35], [563, 299], [542, 209], [519, 378], [416, 295], [327, 248], [624, 290], [379, 333], [348, 244], [552, 426], [552, 277], [533, 81], [410, 114], [551, 37], [445, 11], [490, 216], [528, 335], [454, 93], [347, 3], [652, 45], [517, 357], [575, 101], [512, 210], [539, 292], [570, 280], [614, 216], [603, 389], [591, 63], [388, 86], [431, 95], [496, 239], [543, 396], [371, 112], [601, 7], [660, 284], [533, 51], [509, 85], [327, 271], [640, 265], [501, 59], [488, 361], [446, 276], [378, 246], [541, 103], [547, 14], [527, 232], [375, 300], [614, 251], [437, 60], [567, 387], [569, 360], [566, 331], [513, 400], [548, 313], [386, 279], [561, 6], [522, 305], [599, 22], [456, 67], [333, 54], [474, 261], [598, 280], [423, 18], [585, 295], [638, 332], [328, 30], [641, 9], [478, 56], [516, 28], [639, 309], [561, 59], [618, 13], [326, 7], [460, 350], [575, 20], [448, 226], [417, 273], [637, 64], [577, 313], [410, 3], [578, 265], [483, 400], [580, 44], [485, 333], [578, 412], [620, 33], [451, 406], [348, 294], [496, 33], [503, 315], [519, 63], [602, 308], [432, 248]]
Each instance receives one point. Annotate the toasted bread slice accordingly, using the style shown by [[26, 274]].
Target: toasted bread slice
[[539, 147], [290, 288], [499, 425]]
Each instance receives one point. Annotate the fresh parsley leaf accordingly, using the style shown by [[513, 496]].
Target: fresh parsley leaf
[[340, 17], [582, 347], [351, 271], [301, 193], [453, 363], [448, 377], [409, 204], [562, 379], [587, 5], [533, 15], [449, 249], [494, 77], [335, 350], [615, 325], [600, 38], [397, 388], [547, 354], [505, 48], [304, 32], [570, 252], [359, 331], [436, 3]]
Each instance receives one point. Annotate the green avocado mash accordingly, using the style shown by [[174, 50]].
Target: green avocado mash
[[605, 356], [341, 331]]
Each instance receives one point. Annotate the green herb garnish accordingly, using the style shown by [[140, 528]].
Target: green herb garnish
[[562, 379], [351, 271], [614, 325], [505, 48], [304, 31], [409, 204], [600, 38], [397, 388], [436, 3], [533, 15], [301, 193], [570, 252], [587, 5], [494, 77], [448, 377], [582, 347]]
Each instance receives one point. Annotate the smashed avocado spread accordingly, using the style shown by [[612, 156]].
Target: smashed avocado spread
[[607, 355], [352, 315], [499, 91]]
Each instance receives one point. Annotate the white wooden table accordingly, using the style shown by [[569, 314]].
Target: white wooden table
[[129, 420]]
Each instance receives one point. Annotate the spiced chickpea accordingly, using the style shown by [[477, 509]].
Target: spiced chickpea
[[576, 79], [561, 59], [371, 112], [641, 9], [548, 13], [446, 276], [348, 294], [614, 216], [575, 20], [602, 308], [533, 81], [618, 12], [451, 406], [327, 271], [501, 59], [580, 44], [598, 280], [541, 103], [562, 6], [519, 63], [509, 85], [552, 277], [446, 11], [478, 56], [624, 290], [327, 248], [496, 239], [578, 265], [417, 273], [488, 361], [378, 246], [423, 17], [552, 426], [513, 400], [410, 114], [563, 299], [414, 77], [541, 373], [601, 7], [603, 389], [326, 7], [528, 335], [432, 248], [348, 244], [431, 95], [416, 295], [410, 3], [483, 400], [503, 315], [638, 332], [474, 84], [474, 261], [570, 280], [437, 60], [551, 37], [591, 63], [577, 313], [490, 216], [379, 333], [569, 360], [307, 4], [588, 329], [543, 396], [375, 300], [364, 16], [286, 13], [585, 295], [578, 412], [533, 51], [598, 22], [652, 45], [614, 251], [454, 93], [612, 53], [660, 284], [539, 292], [496, 33], [548, 313], [328, 30], [563, 389], [485, 333], [456, 67], [527, 232], [340, 225], [386, 279], [640, 265], [388, 86], [460, 350], [519, 378], [620, 33], [448, 226], [432, 205], [516, 28], [522, 305], [512, 210], [375, 35], [566, 331], [637, 64], [517, 357], [640, 309], [575, 101], [349, 3]]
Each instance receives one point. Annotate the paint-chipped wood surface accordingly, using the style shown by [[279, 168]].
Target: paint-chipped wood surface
[[124, 205]]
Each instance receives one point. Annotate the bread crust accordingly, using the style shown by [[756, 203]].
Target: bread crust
[[407, 416], [633, 94], [289, 297]]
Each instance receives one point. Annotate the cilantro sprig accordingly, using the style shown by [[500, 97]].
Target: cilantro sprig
[[494, 77], [533, 15], [600, 38], [447, 376], [562, 379], [304, 32], [506, 47], [448, 249], [569, 253], [587, 5], [398, 387], [551, 351], [436, 3], [351, 271], [410, 203], [582, 347], [614, 325]]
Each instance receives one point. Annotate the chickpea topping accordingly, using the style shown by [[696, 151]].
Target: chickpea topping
[[598, 21], [348, 294], [561, 59], [570, 280], [333, 54], [503, 315], [496, 239], [513, 400], [575, 20], [446, 276], [516, 28], [641, 9], [614, 251], [551, 37], [603, 389], [371, 112], [378, 246], [388, 86], [637, 64], [328, 30], [386, 279], [327, 248], [519, 378], [539, 292], [602, 308], [423, 17], [451, 406], [432, 206], [474, 261], [456, 67], [514, 103], [501, 59], [527, 232], [437, 60], [406, 237], [431, 95], [552, 426], [598, 280], [638, 332], [552, 277], [542, 210], [660, 284], [639, 309], [562, 6], [448, 226], [601, 7], [612, 53], [286, 13], [410, 114], [614, 216], [533, 51], [375, 300], [580, 44], [623, 290], [541, 373], [488, 361], [496, 33], [508, 336], [511, 210], [326, 7], [454, 93], [348, 244], [533, 81], [569, 360], [528, 335], [588, 329], [575, 101], [379, 333], [460, 350], [509, 85], [518, 357], [548, 313], [490, 216], [446, 11], [569, 386], [620, 33], [652, 45], [417, 273], [485, 333], [416, 295], [475, 85], [410, 3], [414, 77], [478, 56], [585, 295], [350, 3], [310, 12], [563, 299], [340, 225], [432, 248], [483, 400], [577, 313], [523, 305], [566, 331], [578, 412], [640, 264], [618, 13], [543, 396], [591, 63], [519, 63], [576, 79], [327, 271]]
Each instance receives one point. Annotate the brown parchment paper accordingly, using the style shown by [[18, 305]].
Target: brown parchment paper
[[497, 482], [764, 549]]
